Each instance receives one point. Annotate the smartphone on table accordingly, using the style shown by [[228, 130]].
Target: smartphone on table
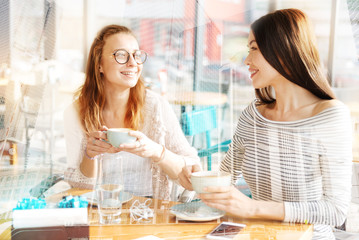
[[225, 231]]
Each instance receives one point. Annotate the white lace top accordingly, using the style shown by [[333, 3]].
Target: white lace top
[[160, 124]]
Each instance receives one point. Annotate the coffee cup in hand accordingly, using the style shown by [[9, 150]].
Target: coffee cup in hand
[[203, 179], [118, 136]]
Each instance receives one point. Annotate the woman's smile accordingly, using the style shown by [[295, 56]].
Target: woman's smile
[[129, 73], [252, 72]]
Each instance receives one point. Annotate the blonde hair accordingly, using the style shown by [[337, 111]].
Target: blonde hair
[[91, 95]]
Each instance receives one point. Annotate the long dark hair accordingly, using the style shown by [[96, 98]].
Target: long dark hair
[[287, 42]]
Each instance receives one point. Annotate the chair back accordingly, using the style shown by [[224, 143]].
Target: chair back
[[200, 121]]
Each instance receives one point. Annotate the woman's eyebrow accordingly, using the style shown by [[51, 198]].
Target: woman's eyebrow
[[251, 42]]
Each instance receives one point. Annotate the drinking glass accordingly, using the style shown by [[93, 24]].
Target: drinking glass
[[109, 185]]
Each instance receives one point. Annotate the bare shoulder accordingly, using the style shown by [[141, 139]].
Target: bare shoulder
[[326, 104]]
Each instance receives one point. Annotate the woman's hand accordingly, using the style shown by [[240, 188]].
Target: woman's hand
[[184, 178], [96, 143], [230, 200], [143, 147]]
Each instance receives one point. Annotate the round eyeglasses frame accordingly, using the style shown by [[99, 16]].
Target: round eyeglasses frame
[[128, 56]]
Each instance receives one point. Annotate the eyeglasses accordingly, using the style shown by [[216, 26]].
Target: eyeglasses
[[122, 56]]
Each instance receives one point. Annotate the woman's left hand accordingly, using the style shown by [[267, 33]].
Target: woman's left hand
[[228, 199], [143, 147]]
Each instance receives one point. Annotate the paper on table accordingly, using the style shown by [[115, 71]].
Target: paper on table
[[49, 217]]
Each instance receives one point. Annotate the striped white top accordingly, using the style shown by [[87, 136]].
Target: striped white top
[[305, 163]]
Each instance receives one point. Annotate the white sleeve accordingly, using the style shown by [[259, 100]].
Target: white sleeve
[[75, 145], [73, 137]]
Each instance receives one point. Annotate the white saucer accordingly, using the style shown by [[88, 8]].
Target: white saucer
[[196, 211], [91, 197]]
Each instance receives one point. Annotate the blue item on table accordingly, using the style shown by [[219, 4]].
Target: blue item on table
[[30, 203], [73, 202], [66, 202]]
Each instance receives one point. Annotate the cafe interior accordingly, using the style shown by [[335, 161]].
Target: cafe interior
[[195, 60]]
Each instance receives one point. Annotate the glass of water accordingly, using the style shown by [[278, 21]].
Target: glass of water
[[109, 185]]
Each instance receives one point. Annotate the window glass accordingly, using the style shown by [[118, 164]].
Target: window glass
[[192, 46]]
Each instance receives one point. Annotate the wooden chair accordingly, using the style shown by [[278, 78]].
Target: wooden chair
[[10, 136], [7, 148]]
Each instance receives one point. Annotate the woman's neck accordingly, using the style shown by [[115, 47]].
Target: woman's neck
[[115, 108], [116, 99], [292, 102]]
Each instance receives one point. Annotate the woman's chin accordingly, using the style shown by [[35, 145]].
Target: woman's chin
[[130, 83], [258, 85]]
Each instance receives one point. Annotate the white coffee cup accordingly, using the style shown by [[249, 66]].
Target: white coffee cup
[[118, 136], [203, 179]]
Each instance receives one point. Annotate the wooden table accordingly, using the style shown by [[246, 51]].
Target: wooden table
[[166, 226], [196, 99]]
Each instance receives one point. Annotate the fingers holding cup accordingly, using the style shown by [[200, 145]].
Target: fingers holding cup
[[184, 177], [119, 136], [202, 180]]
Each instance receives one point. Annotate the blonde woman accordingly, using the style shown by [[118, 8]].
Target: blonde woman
[[113, 96]]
